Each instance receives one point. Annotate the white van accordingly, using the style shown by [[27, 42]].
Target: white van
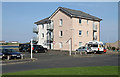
[[95, 46]]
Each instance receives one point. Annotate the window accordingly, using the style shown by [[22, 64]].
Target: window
[[96, 27], [61, 34], [42, 26], [52, 23], [87, 21], [87, 33], [42, 35], [60, 44], [80, 32], [80, 20], [80, 44], [93, 23], [61, 22]]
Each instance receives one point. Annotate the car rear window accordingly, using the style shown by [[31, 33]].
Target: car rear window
[[92, 45], [95, 45]]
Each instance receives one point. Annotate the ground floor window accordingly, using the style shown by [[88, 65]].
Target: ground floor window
[[60, 44], [80, 44]]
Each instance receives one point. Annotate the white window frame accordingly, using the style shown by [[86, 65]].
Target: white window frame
[[79, 32], [61, 22], [61, 45], [42, 35], [80, 44], [61, 32]]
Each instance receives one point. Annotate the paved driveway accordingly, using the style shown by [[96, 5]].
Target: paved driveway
[[61, 59]]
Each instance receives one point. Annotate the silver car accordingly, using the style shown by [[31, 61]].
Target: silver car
[[80, 49]]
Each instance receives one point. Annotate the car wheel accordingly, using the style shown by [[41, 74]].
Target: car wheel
[[45, 51], [36, 51], [95, 52]]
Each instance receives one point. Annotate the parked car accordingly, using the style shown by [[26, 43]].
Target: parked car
[[95, 46], [23, 47], [12, 54], [1, 55], [82, 48], [37, 49]]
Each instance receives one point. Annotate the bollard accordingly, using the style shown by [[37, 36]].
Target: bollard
[[80, 53], [75, 52], [21, 56], [8, 57]]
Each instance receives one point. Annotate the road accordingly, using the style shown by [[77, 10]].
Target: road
[[60, 60]]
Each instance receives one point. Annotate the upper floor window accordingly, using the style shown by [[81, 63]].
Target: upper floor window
[[52, 23], [80, 21], [87, 21], [93, 23], [61, 22], [96, 27], [61, 34], [80, 32], [42, 36], [87, 33], [42, 26]]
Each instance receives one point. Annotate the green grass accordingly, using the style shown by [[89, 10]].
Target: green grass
[[98, 70]]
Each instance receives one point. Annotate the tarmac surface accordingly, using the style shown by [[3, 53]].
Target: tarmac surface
[[55, 59]]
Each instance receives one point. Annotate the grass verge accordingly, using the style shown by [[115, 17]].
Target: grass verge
[[98, 70]]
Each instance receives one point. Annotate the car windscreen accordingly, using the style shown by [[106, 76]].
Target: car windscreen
[[83, 48], [0, 50], [92, 45], [8, 50], [101, 45]]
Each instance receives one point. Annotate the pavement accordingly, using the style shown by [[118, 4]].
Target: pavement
[[59, 59]]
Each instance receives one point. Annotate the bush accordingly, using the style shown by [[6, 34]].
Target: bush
[[118, 49], [113, 48], [108, 47]]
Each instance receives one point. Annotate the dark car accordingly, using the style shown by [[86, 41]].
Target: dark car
[[38, 49], [2, 56], [23, 47], [12, 54]]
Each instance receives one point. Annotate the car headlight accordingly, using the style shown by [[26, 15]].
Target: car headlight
[[14, 55], [3, 55]]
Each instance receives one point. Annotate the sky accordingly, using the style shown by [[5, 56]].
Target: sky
[[18, 18]]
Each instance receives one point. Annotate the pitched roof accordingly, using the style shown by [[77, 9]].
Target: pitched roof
[[77, 13], [72, 13], [45, 20]]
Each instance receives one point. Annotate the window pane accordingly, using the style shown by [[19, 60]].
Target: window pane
[[61, 22], [80, 44], [80, 21], [60, 33], [61, 45], [87, 21], [87, 32], [43, 26], [80, 32]]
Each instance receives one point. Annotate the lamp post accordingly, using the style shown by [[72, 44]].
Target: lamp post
[[31, 48]]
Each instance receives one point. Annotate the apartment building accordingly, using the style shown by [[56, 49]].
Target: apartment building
[[44, 31], [76, 25]]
